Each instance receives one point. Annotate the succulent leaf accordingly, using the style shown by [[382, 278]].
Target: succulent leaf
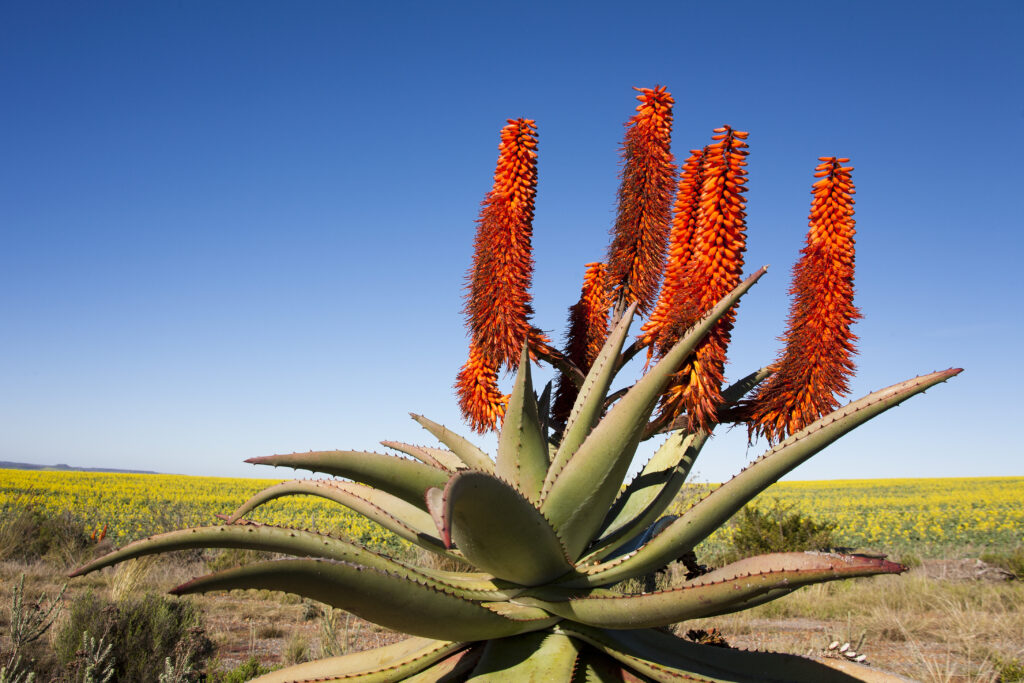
[[650, 493], [392, 601], [664, 657], [496, 527], [539, 656], [406, 479], [745, 385], [593, 666], [522, 444], [453, 668], [388, 663], [544, 411], [460, 446], [707, 515], [435, 457], [589, 405], [302, 544], [729, 586], [581, 494], [405, 520]]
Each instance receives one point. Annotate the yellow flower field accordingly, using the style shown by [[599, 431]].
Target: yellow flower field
[[137, 505], [929, 517], [924, 516]]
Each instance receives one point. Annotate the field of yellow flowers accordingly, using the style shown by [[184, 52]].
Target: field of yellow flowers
[[928, 517]]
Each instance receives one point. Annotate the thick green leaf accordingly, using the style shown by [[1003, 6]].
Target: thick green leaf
[[714, 593], [710, 513], [380, 665], [406, 479], [435, 457], [741, 387], [522, 446], [303, 544], [453, 669], [499, 531], [650, 493], [538, 657], [392, 601], [582, 492], [544, 411], [589, 405], [664, 657], [470, 454], [594, 666], [405, 520]]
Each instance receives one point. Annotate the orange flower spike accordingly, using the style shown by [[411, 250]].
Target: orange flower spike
[[815, 366], [588, 330], [715, 268], [636, 256], [498, 302], [670, 316], [480, 400]]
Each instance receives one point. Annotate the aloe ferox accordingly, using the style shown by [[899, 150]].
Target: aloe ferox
[[550, 526]]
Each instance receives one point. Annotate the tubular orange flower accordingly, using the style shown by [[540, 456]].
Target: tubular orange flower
[[715, 268], [481, 401], [636, 256], [498, 302], [817, 362], [588, 329], [670, 315]]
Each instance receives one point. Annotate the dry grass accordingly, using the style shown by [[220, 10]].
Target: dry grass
[[926, 628]]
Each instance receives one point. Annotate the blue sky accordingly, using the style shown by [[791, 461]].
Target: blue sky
[[236, 229]]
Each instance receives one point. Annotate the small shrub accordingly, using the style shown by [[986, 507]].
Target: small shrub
[[269, 631], [1011, 560], [29, 533], [28, 621], [297, 650], [1010, 670], [778, 529], [93, 662], [142, 633], [246, 671]]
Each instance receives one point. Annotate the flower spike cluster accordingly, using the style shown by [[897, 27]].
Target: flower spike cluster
[[588, 329], [670, 315], [817, 362], [498, 302], [714, 269], [480, 399], [636, 256]]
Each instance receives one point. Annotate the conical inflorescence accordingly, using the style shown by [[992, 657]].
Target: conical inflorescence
[[636, 256], [498, 301], [814, 368], [715, 266]]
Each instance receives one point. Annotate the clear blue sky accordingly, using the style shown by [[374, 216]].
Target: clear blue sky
[[237, 229]]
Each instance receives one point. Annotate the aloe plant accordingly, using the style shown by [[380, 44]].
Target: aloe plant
[[550, 526]]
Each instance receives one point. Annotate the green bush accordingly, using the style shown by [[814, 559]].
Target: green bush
[[1010, 670], [27, 533], [142, 634], [1012, 560], [246, 671], [778, 529]]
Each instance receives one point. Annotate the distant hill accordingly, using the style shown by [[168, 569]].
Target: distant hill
[[66, 468]]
